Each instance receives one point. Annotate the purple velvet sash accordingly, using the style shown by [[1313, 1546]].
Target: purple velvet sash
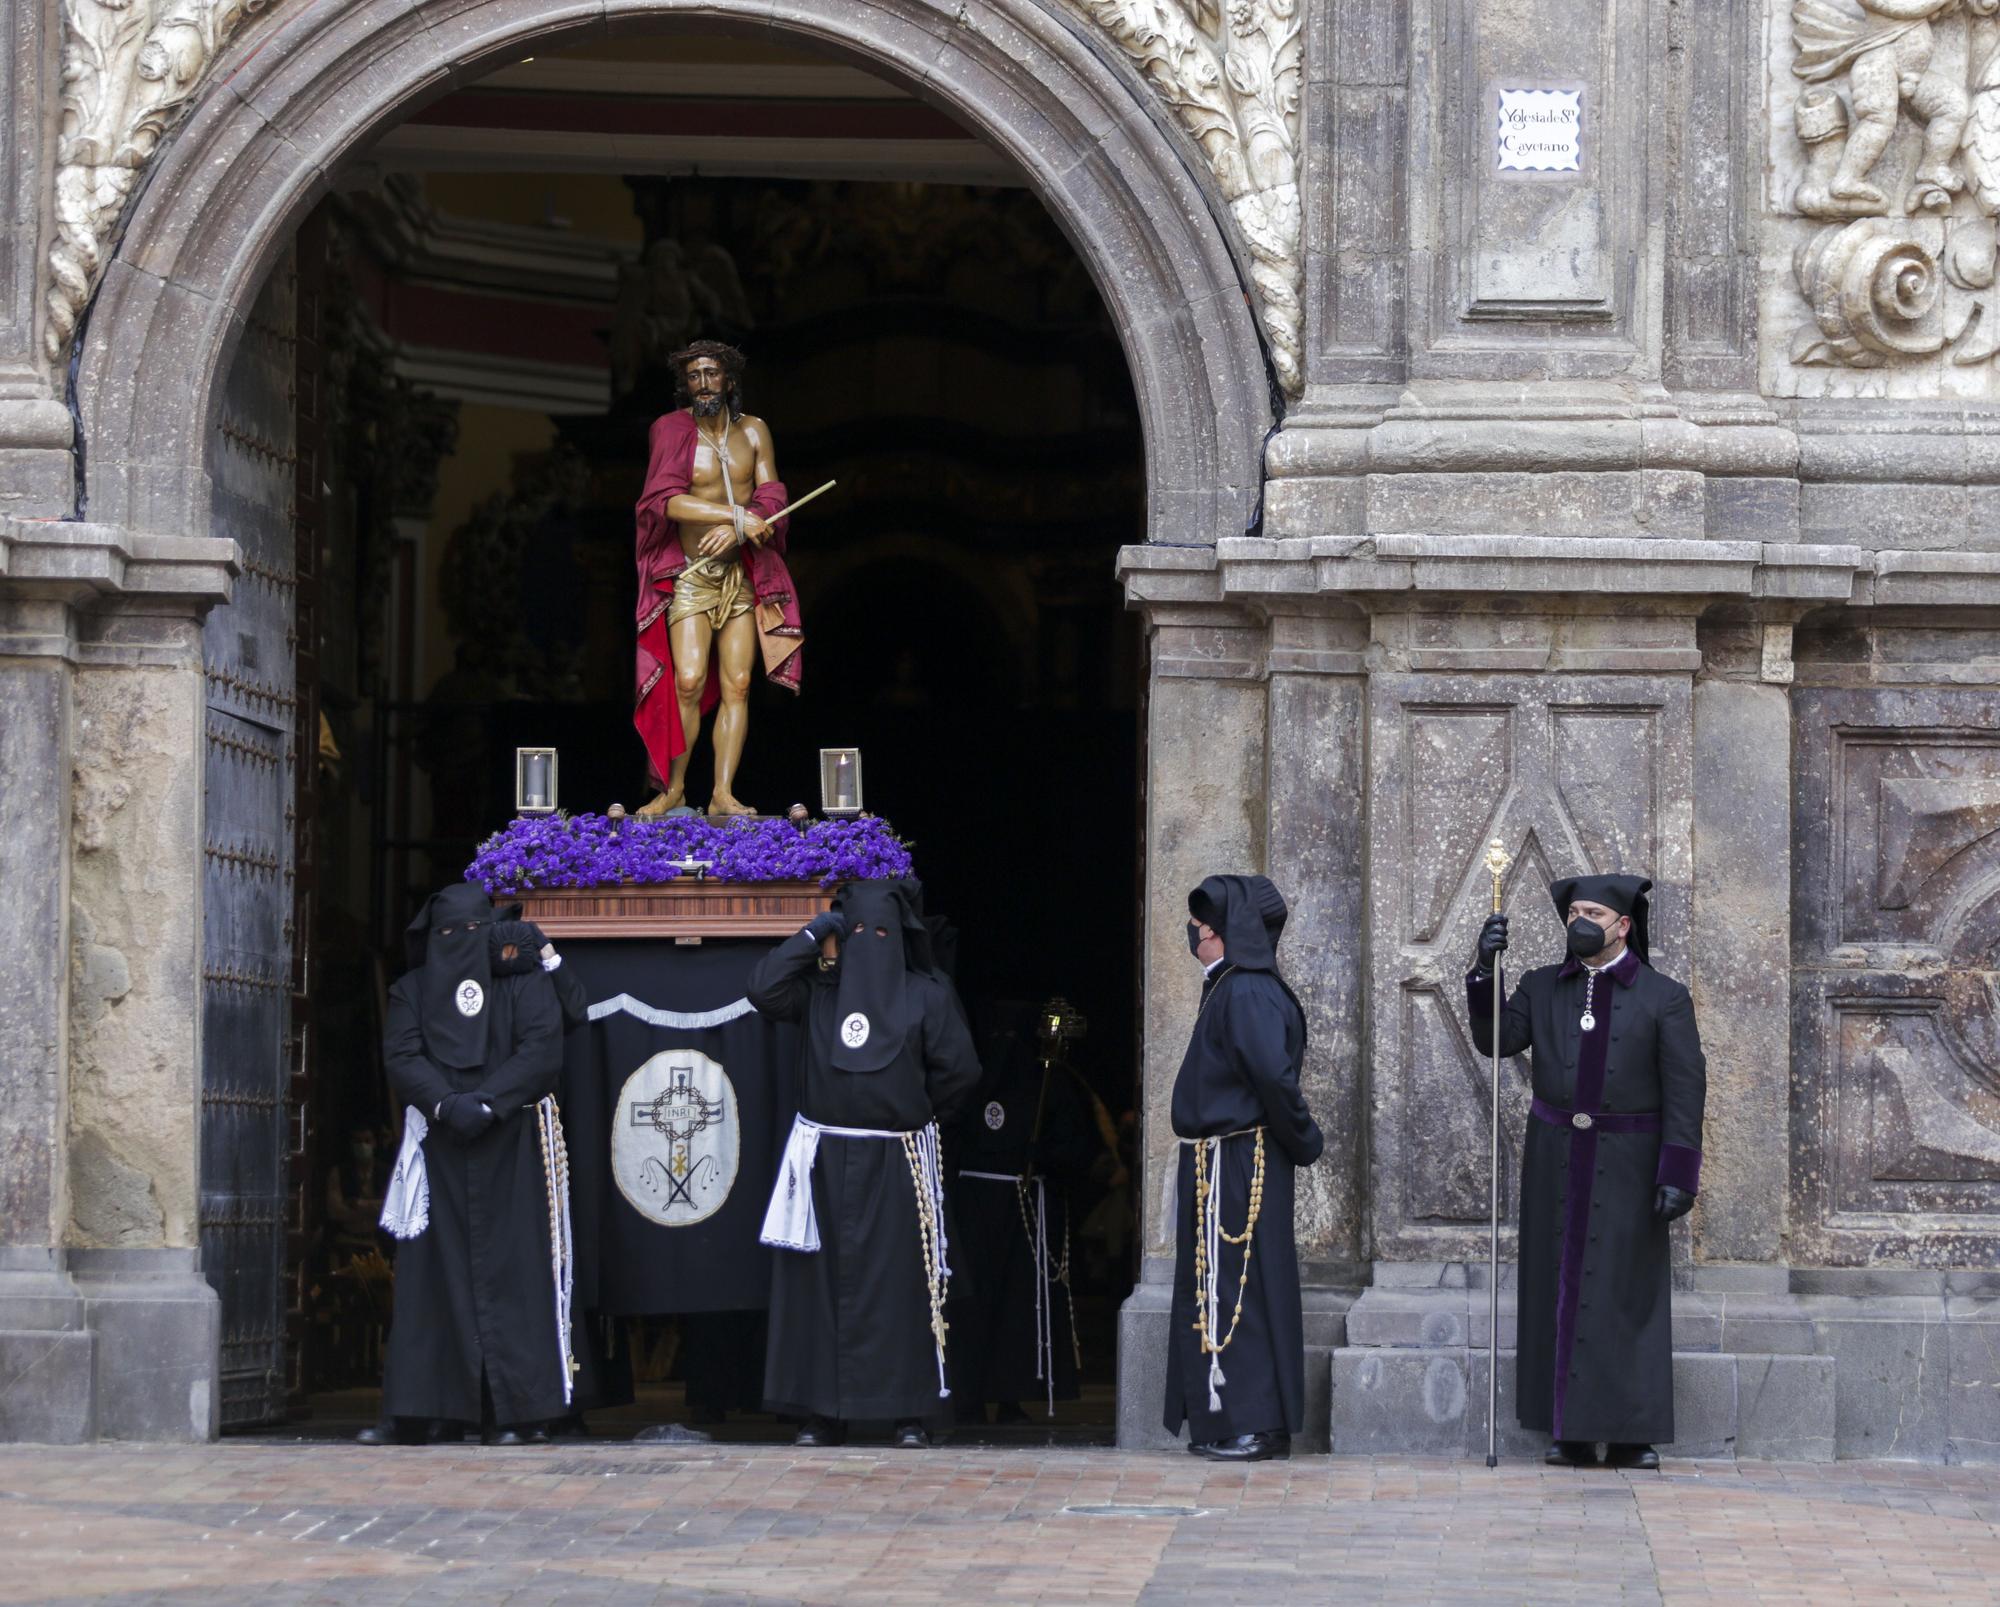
[[1590, 1063]]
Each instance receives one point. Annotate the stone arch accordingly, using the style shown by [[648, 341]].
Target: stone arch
[[289, 103]]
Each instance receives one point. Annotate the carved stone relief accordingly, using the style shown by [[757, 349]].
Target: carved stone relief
[[1571, 773], [130, 67], [1885, 164], [1228, 70], [1896, 990]]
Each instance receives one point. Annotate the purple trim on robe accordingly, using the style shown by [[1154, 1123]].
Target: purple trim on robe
[[1576, 1234], [1591, 1058], [1680, 1168], [1479, 994]]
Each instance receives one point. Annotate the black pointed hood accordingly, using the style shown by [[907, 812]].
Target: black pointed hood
[[1625, 894], [883, 940], [447, 949], [1249, 912]]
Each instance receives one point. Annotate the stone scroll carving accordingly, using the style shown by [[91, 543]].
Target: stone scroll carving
[[1896, 162], [1229, 72], [130, 67], [1896, 995]]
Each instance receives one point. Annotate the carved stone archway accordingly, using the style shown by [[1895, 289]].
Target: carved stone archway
[[292, 100]]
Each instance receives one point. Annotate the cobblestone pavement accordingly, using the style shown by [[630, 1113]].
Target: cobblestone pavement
[[596, 1524]]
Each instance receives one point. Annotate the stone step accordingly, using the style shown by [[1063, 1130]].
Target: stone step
[[1432, 1402]]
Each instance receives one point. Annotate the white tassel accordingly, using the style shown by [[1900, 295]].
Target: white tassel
[[1212, 1226]]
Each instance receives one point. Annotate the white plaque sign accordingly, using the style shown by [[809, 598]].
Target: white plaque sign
[[1540, 131]]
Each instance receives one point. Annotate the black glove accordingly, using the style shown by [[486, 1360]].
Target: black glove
[[466, 1115], [527, 941], [1492, 941], [828, 923], [1670, 1202]]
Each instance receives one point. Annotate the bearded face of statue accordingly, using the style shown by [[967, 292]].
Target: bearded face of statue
[[708, 387]]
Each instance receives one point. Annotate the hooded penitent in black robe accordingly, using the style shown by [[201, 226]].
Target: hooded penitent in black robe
[[1241, 1072], [850, 1323], [1014, 1332], [1617, 1112], [475, 1291]]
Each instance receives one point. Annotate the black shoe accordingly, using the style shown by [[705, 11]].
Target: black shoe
[[1571, 1454], [443, 1431], [1010, 1412], [382, 1433], [515, 1436], [821, 1431], [911, 1435], [707, 1416], [1271, 1447], [1643, 1457]]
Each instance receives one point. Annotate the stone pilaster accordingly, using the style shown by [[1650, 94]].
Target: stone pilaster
[[46, 1351], [107, 1329], [1741, 937], [1317, 848], [1206, 810]]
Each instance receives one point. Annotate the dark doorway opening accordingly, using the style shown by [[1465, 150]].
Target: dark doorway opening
[[494, 335]]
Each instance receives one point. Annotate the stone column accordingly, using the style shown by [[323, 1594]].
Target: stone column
[[135, 966], [1318, 830], [1742, 933], [1206, 810], [35, 471], [46, 1349], [106, 1327]]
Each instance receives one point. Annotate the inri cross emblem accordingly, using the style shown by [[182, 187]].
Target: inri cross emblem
[[674, 1144], [678, 1112]]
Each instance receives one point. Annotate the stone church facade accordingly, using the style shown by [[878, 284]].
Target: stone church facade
[[1563, 423]]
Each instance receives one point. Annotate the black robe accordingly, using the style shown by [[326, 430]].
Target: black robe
[[475, 1290], [996, 1349], [850, 1324], [1241, 1070], [1595, 1352]]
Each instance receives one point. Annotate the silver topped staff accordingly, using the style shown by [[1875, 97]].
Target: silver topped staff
[[1497, 861]]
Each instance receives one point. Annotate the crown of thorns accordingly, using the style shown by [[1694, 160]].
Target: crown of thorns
[[733, 361]]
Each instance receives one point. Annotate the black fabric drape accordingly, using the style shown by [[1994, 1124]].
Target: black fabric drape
[[629, 1263]]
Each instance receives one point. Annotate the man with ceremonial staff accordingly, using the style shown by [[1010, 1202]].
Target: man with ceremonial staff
[[1612, 1156]]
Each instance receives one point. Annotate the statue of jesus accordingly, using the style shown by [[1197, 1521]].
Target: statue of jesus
[[714, 592]]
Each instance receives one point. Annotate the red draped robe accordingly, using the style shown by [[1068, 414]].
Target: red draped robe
[[774, 602]]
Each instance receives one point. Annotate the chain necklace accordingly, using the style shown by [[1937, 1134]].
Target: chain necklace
[[1588, 1020]]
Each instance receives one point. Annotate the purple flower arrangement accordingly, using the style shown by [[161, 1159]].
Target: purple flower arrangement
[[563, 850]]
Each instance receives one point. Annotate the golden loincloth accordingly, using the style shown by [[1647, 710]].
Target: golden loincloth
[[716, 587]]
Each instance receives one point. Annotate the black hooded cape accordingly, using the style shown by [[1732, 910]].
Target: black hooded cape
[[1241, 1071], [1595, 1356], [475, 1292], [850, 1326]]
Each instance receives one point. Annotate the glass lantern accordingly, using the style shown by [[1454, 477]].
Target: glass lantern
[[840, 782], [534, 781]]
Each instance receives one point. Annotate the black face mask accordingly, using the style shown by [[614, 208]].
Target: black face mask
[[450, 942], [1194, 939], [1586, 939]]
